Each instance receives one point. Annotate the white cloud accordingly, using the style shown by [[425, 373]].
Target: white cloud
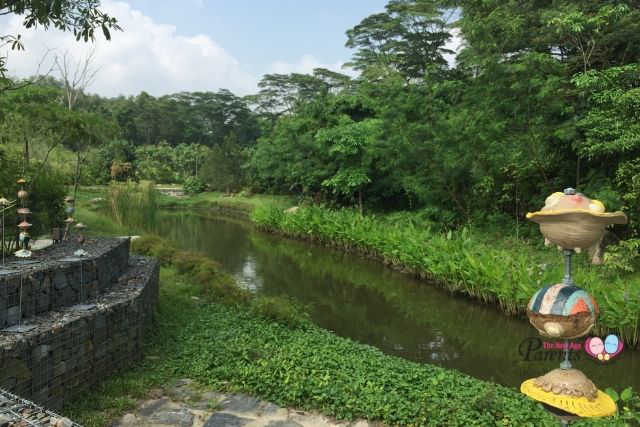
[[305, 65], [454, 44], [146, 56]]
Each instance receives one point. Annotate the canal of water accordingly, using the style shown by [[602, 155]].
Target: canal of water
[[372, 304]]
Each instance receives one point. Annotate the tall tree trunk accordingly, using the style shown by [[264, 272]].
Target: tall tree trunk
[[360, 200], [26, 154], [77, 177]]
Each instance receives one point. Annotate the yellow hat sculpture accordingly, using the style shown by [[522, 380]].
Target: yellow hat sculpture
[[565, 311], [573, 221]]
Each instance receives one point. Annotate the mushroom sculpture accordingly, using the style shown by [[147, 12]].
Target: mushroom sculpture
[[573, 222]]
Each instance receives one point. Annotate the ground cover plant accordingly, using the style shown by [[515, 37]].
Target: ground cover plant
[[226, 344]]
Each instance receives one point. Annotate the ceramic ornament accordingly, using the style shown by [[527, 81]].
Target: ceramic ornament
[[573, 221], [564, 310]]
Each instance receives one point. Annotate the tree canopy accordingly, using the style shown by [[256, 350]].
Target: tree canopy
[[81, 17]]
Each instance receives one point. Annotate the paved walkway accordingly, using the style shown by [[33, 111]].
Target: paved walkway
[[185, 405]]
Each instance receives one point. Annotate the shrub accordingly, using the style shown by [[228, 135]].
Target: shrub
[[194, 185], [203, 272], [280, 309], [133, 204]]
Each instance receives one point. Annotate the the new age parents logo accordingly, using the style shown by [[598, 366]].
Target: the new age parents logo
[[602, 350]]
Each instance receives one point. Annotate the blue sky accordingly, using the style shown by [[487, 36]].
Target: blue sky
[[260, 32], [199, 45]]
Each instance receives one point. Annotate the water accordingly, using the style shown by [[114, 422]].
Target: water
[[369, 303]]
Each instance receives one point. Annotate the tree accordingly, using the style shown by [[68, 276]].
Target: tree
[[349, 149], [583, 30], [82, 17], [611, 127], [223, 167], [408, 37], [76, 78]]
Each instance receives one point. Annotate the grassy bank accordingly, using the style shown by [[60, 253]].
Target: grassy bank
[[238, 202], [463, 261]]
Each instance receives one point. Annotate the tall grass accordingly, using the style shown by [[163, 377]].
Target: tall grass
[[132, 204], [461, 261]]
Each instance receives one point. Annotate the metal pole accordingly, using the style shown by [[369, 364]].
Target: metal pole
[[566, 364], [3, 237], [20, 303], [567, 280]]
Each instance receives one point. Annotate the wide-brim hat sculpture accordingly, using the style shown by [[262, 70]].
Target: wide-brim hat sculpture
[[574, 221], [571, 391]]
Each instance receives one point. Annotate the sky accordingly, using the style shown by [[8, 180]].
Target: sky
[[199, 45]]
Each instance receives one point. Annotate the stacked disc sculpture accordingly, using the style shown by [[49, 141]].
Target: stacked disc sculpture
[[69, 209], [23, 226], [573, 222]]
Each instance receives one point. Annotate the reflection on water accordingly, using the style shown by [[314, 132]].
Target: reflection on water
[[247, 277], [372, 304]]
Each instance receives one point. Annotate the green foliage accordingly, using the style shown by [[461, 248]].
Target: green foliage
[[194, 185], [82, 17], [132, 204], [280, 309], [46, 201], [222, 168], [409, 36], [628, 403], [623, 257], [46, 192], [348, 145], [229, 348]]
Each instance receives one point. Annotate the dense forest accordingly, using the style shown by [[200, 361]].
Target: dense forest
[[541, 95]]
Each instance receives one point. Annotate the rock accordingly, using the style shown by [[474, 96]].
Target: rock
[[181, 417], [152, 406], [226, 420], [128, 420], [64, 422], [269, 408], [209, 401], [155, 393], [181, 390], [240, 403], [183, 382], [284, 423], [36, 245]]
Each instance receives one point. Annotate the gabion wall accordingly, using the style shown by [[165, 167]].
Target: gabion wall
[[18, 412], [71, 349], [27, 290]]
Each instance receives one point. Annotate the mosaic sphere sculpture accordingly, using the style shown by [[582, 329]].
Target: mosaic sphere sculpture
[[562, 311]]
